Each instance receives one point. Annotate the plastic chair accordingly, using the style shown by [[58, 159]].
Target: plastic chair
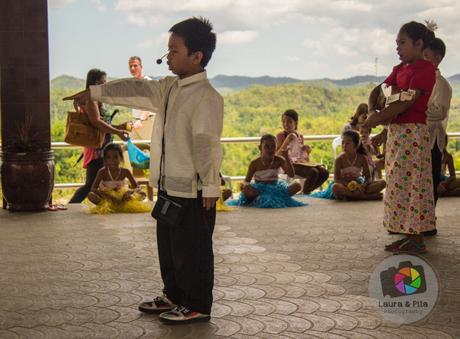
[[336, 143]]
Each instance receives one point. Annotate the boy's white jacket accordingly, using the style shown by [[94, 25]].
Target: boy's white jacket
[[193, 129]]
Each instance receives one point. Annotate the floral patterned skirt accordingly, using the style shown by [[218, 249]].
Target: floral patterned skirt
[[409, 202]]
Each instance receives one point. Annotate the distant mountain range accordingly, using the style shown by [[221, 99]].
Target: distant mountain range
[[236, 82]]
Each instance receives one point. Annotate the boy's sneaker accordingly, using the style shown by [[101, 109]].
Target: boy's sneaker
[[158, 305], [182, 315]]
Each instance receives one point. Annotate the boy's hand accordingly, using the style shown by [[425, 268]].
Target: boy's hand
[[80, 98], [209, 203]]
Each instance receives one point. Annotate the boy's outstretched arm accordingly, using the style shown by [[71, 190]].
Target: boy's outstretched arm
[[131, 92], [207, 124]]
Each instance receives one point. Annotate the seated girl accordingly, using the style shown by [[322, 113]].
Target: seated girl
[[110, 193], [449, 185], [374, 157], [352, 178], [268, 191], [292, 141], [357, 119]]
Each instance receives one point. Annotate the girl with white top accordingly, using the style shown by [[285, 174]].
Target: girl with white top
[[352, 178], [110, 193], [268, 191]]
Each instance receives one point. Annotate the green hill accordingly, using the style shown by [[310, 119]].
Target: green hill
[[67, 81]]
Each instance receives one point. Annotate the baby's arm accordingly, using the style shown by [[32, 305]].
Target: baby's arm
[[285, 143], [286, 164], [133, 185], [132, 181]]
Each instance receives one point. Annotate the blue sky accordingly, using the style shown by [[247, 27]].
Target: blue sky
[[305, 39]]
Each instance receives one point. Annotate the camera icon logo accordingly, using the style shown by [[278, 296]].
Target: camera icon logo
[[405, 280]]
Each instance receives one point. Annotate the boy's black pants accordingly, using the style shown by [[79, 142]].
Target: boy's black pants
[[436, 164], [186, 256]]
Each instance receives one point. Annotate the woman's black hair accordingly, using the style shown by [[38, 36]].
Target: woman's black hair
[[198, 37], [418, 31], [112, 147], [356, 140], [267, 137], [292, 114], [93, 76]]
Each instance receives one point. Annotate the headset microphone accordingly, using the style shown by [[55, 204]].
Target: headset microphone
[[160, 60]]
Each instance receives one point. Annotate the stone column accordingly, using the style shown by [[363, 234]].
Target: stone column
[[27, 169]]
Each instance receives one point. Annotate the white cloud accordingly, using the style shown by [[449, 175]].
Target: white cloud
[[236, 37], [136, 20], [292, 58], [99, 4], [53, 4]]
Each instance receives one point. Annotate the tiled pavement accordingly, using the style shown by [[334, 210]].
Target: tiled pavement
[[293, 273]]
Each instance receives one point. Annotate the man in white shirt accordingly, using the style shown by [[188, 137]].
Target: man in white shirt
[[437, 112], [143, 124], [186, 150]]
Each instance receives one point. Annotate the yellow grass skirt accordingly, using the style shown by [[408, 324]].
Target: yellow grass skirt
[[134, 205]]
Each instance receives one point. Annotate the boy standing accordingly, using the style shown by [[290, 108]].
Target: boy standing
[[437, 113], [190, 118]]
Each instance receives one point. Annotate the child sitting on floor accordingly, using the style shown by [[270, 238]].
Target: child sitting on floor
[[352, 178], [291, 140], [268, 191], [449, 185], [110, 193], [374, 157]]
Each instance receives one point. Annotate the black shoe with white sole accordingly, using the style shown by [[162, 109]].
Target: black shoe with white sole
[[158, 305], [182, 315]]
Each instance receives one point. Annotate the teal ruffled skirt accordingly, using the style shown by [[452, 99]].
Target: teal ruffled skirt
[[274, 195]]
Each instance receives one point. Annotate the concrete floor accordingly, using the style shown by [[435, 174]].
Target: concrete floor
[[291, 273]]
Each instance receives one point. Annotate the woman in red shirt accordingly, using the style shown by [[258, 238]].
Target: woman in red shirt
[[409, 202]]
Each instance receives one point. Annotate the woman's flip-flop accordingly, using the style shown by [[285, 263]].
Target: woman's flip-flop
[[61, 207], [394, 244], [410, 247]]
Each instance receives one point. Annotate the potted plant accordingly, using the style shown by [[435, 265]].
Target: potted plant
[[27, 171]]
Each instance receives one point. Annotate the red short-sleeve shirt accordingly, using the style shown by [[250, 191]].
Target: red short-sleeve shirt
[[421, 75]]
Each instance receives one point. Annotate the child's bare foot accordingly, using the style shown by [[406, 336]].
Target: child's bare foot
[[226, 193], [94, 198]]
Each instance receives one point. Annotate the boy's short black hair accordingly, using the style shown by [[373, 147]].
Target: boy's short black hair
[[267, 137], [112, 147], [438, 46], [292, 114], [198, 37]]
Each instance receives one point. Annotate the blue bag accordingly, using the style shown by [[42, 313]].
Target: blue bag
[[137, 158]]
